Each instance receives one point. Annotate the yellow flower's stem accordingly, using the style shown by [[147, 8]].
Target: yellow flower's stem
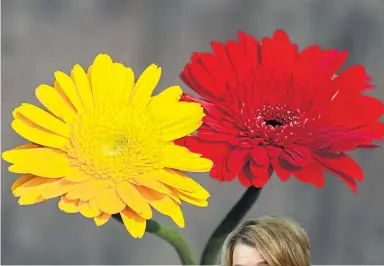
[[228, 224], [172, 237]]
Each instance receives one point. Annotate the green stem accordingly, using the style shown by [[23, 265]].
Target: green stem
[[227, 225], [171, 236]]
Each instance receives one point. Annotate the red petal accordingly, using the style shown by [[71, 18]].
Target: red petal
[[344, 167], [260, 155], [374, 130], [216, 151], [245, 176], [278, 52], [234, 163], [261, 174], [311, 173], [296, 155], [353, 112], [281, 172], [352, 80], [214, 136]]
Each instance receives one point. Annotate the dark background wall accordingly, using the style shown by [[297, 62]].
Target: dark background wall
[[41, 36]]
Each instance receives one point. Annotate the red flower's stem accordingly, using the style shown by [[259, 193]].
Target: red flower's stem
[[227, 225], [171, 236]]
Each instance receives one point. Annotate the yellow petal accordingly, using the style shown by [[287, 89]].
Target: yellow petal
[[193, 201], [100, 77], [89, 76], [86, 191], [168, 96], [121, 83], [181, 158], [68, 86], [68, 206], [149, 182], [110, 202], [20, 181], [164, 204], [27, 146], [53, 101], [178, 180], [37, 134], [83, 87], [77, 175], [134, 223], [132, 197], [102, 219], [147, 82], [198, 191], [173, 180], [30, 198], [177, 120], [89, 209], [43, 119], [43, 162]]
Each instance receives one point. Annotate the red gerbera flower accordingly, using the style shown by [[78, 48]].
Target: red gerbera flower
[[270, 107]]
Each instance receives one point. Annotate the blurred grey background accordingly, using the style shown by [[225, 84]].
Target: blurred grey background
[[41, 36]]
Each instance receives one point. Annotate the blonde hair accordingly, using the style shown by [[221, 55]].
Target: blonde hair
[[280, 241]]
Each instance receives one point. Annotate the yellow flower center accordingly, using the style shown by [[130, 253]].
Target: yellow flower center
[[115, 143]]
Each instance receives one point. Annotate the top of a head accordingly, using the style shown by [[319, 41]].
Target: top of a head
[[280, 241]]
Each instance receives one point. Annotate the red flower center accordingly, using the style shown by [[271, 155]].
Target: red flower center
[[277, 124]]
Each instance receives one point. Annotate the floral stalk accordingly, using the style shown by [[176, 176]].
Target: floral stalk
[[227, 225], [171, 236]]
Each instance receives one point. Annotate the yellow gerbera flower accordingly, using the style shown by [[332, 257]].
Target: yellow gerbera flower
[[105, 146]]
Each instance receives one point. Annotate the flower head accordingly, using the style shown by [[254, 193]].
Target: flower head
[[105, 146], [272, 108]]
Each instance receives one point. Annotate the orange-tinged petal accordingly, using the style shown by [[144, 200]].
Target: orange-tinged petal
[[20, 181], [45, 162], [102, 219], [110, 202], [195, 189], [193, 201], [174, 195], [134, 223], [69, 88], [149, 182], [43, 119], [100, 77], [37, 134], [56, 189], [86, 190], [171, 179], [83, 87], [32, 186], [88, 209], [68, 206], [146, 83], [164, 204], [54, 102], [132, 197]]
